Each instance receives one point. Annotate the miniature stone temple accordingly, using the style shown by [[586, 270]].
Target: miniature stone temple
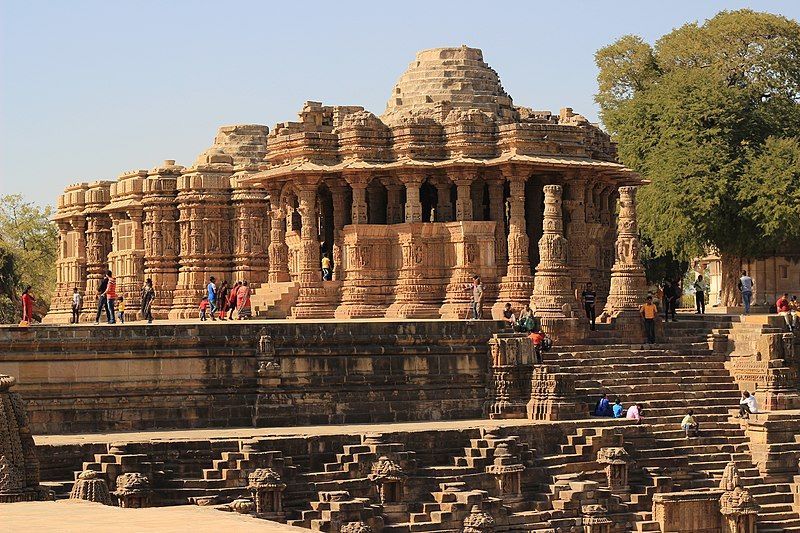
[[267, 489], [133, 490], [90, 487], [453, 180], [19, 466]]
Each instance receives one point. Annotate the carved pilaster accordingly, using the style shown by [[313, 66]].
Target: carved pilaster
[[339, 221], [463, 181], [552, 293], [250, 230], [358, 209], [577, 236], [497, 214], [394, 202], [444, 208], [278, 251]]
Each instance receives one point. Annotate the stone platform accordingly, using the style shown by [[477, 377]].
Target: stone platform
[[255, 373], [75, 516]]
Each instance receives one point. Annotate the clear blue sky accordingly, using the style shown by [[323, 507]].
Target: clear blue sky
[[94, 88]]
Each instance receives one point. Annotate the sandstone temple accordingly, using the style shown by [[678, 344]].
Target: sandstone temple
[[453, 180], [367, 404]]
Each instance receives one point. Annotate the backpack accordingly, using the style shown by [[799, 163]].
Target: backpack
[[547, 343]]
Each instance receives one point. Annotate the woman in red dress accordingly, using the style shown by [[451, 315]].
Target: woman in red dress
[[27, 305]]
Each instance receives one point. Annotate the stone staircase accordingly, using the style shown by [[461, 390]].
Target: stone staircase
[[669, 378], [274, 300]]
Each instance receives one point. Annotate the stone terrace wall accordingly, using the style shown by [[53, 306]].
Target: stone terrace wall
[[133, 377]]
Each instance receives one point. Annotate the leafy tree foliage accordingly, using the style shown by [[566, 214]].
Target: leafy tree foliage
[[711, 116], [28, 252]]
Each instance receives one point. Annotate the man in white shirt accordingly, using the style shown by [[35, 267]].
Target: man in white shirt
[[747, 405], [746, 286]]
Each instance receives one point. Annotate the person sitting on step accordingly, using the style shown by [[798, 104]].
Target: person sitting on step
[[690, 425], [618, 410], [634, 413], [603, 408], [509, 317], [747, 405]]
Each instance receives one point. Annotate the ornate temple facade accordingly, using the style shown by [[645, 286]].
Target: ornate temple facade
[[453, 180]]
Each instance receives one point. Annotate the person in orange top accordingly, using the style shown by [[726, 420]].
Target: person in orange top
[[649, 311], [111, 296]]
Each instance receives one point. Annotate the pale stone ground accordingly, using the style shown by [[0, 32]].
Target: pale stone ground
[[68, 516], [248, 432]]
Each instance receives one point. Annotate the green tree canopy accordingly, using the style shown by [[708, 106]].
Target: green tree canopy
[[28, 252], [711, 116]]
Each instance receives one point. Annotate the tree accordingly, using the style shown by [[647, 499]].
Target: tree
[[28, 252], [711, 116]]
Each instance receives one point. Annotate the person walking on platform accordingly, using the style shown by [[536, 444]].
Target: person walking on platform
[[148, 295], [77, 304], [212, 297], [700, 294], [589, 297], [649, 312]]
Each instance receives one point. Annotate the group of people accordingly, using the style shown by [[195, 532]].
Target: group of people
[[604, 407], [789, 309], [222, 301]]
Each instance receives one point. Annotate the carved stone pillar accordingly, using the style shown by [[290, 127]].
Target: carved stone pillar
[[161, 236], [512, 362], [577, 236], [250, 230], [628, 284], [607, 244], [413, 205], [358, 210], [552, 293], [278, 251], [338, 195], [444, 209], [394, 202], [312, 300], [517, 285], [497, 214], [463, 181], [98, 235]]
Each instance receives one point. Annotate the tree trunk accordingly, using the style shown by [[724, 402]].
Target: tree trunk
[[729, 273]]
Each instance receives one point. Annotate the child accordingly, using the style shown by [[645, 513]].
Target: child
[[203, 308], [77, 303], [121, 309]]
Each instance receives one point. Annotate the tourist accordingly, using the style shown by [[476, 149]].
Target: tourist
[[77, 304], [326, 268], [527, 322], [232, 299], [690, 425], [589, 297], [508, 316], [111, 296], [618, 410], [795, 305], [747, 405], [538, 339], [243, 301], [649, 312], [700, 294], [27, 305], [121, 309], [746, 288], [477, 298], [669, 300], [784, 309], [602, 407], [222, 299], [203, 308], [211, 291], [148, 295], [101, 300], [634, 412]]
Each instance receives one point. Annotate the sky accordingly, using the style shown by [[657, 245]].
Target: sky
[[91, 89]]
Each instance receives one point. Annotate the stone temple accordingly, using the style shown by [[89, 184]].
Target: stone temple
[[387, 412], [451, 181]]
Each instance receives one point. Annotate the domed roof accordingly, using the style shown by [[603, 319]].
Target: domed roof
[[441, 79]]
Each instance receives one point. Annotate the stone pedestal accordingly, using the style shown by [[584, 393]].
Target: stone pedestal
[[512, 359], [553, 395], [415, 294], [616, 461], [266, 488], [133, 490]]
